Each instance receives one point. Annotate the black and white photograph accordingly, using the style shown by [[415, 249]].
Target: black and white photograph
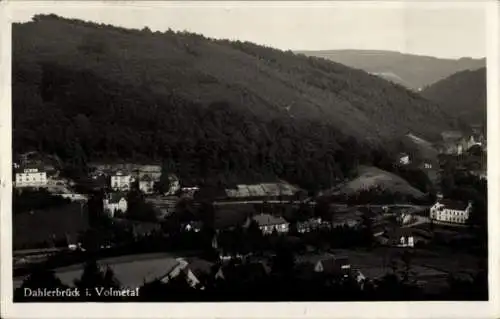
[[247, 152]]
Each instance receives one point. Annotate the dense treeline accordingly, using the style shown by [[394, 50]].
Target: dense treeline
[[214, 139], [216, 108], [412, 71], [28, 200], [463, 93]]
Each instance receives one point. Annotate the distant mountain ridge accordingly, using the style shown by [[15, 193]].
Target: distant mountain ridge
[[412, 71], [463, 94]]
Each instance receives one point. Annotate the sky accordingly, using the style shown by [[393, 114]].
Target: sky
[[447, 30]]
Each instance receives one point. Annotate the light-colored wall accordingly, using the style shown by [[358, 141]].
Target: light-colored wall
[[282, 228], [31, 179], [121, 182], [146, 186], [112, 208], [449, 215]]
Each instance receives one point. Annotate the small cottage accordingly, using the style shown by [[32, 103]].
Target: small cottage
[[114, 203]]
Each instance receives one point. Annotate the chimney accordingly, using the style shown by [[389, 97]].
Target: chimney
[[439, 197], [469, 206]]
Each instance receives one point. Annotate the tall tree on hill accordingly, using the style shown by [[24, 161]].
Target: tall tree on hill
[[93, 278], [168, 168], [367, 229]]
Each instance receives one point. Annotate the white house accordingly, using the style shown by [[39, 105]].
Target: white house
[[406, 241], [405, 218], [113, 203], [30, 177], [174, 183], [404, 159], [448, 211], [146, 184], [121, 181], [473, 141], [268, 223]]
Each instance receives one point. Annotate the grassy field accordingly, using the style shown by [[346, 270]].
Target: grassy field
[[424, 262], [370, 177]]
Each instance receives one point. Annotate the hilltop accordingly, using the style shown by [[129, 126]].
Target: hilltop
[[463, 93], [90, 92], [382, 186], [412, 71]]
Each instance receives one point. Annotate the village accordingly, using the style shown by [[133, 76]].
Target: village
[[245, 223]]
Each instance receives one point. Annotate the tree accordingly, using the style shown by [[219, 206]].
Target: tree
[[283, 262], [167, 169], [138, 209], [367, 230], [94, 278]]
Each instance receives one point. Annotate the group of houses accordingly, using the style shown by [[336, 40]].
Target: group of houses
[[456, 143], [197, 272], [119, 179]]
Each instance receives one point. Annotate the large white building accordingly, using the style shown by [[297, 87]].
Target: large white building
[[453, 212], [121, 181], [30, 177]]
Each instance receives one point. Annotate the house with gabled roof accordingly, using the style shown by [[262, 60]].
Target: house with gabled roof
[[268, 223]]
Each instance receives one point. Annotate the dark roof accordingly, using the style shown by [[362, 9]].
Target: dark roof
[[232, 215], [139, 227], [36, 227], [200, 267], [309, 222], [451, 204], [21, 168], [267, 219], [146, 178], [116, 197]]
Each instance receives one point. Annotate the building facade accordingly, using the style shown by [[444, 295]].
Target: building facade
[[146, 184], [121, 181], [448, 211], [268, 223], [114, 203], [30, 177]]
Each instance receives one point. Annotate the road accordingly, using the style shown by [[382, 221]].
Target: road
[[262, 202]]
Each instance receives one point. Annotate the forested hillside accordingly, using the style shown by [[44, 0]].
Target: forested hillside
[[215, 108], [409, 70], [463, 93]]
